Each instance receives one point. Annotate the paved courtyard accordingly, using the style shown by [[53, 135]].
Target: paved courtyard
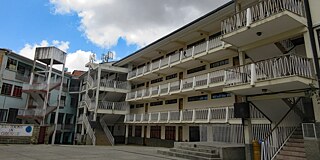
[[62, 152]]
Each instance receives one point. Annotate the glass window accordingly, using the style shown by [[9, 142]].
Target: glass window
[[158, 103], [198, 98], [17, 91], [171, 101], [6, 89], [197, 69], [220, 95], [12, 64], [140, 105], [3, 115]]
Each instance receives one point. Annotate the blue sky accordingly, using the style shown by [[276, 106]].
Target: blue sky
[[31, 21], [83, 27]]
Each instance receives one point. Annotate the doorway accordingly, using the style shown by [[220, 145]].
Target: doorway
[[180, 133], [194, 134]]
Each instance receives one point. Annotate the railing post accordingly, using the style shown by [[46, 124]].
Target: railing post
[[125, 118], [253, 74], [159, 89], [143, 70], [225, 77], [227, 114], [193, 115], [159, 117], [209, 114], [135, 94], [207, 47], [181, 53], [192, 53], [115, 84], [169, 60], [181, 85], [193, 82], [248, 17], [160, 61], [151, 66], [149, 117], [168, 88], [168, 119], [134, 118], [113, 107], [181, 116], [208, 79]]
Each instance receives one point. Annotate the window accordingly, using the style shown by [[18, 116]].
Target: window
[[139, 105], [6, 89], [3, 115], [131, 106], [197, 69], [172, 76], [198, 98], [219, 63], [158, 103], [157, 80], [17, 91], [215, 35], [63, 101], [138, 131], [220, 95], [130, 131], [155, 132], [12, 64], [170, 133], [171, 101]]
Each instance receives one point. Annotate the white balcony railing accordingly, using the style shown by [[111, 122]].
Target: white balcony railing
[[260, 11], [207, 115], [114, 106], [278, 67], [216, 77], [176, 57], [114, 84]]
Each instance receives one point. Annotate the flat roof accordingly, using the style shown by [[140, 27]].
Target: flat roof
[[176, 31]]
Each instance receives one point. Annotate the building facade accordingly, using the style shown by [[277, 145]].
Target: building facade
[[16, 104]]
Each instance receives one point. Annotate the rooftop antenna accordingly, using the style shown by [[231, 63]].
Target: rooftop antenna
[[92, 58], [107, 56]]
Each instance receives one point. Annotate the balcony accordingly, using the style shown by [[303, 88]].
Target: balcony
[[30, 113], [283, 73], [207, 81], [206, 50], [106, 107], [263, 20], [207, 115], [112, 85]]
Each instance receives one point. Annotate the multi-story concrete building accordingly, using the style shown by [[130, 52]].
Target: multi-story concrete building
[[260, 55], [246, 71], [102, 104], [22, 99]]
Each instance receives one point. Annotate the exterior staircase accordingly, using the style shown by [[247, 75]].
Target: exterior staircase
[[193, 152], [293, 148], [101, 138]]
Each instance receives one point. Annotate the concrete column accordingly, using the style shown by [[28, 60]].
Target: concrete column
[[127, 134], [133, 131], [247, 126], [177, 133], [209, 133], [142, 131], [97, 94], [185, 133], [148, 132], [163, 132], [242, 58]]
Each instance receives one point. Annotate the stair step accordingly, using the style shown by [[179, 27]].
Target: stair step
[[296, 140], [285, 157], [293, 153], [212, 151], [186, 156], [200, 154], [297, 136], [293, 144], [296, 149]]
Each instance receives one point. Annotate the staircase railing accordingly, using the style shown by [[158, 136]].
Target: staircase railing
[[279, 135], [89, 130], [107, 131]]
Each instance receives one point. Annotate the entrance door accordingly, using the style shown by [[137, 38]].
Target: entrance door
[[146, 107], [194, 134], [145, 135], [42, 134], [180, 134], [180, 104]]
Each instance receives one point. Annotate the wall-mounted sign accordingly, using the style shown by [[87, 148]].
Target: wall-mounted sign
[[11, 130]]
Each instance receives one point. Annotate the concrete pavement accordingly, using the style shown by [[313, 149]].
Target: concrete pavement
[[69, 152]]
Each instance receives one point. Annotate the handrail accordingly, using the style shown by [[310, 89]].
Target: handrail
[[278, 136], [107, 131], [276, 126], [89, 129]]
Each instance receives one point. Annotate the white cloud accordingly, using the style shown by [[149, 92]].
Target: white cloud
[[75, 61], [137, 21]]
